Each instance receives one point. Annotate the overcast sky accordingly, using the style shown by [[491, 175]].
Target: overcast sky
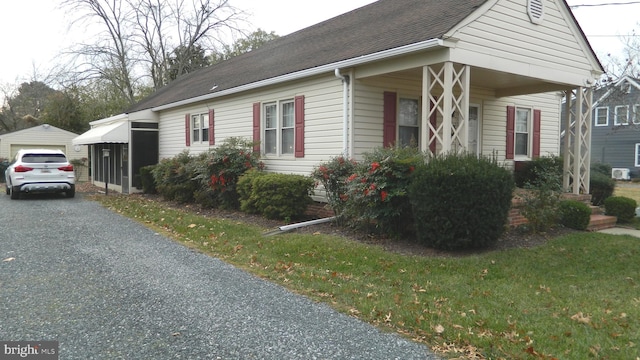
[[34, 31]]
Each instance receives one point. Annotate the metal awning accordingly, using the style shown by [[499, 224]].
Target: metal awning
[[111, 133]]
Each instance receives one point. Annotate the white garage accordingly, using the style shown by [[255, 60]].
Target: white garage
[[45, 137]]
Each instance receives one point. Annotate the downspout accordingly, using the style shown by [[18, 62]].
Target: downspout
[[345, 112]]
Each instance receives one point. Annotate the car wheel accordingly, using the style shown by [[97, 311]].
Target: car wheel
[[15, 195], [71, 192]]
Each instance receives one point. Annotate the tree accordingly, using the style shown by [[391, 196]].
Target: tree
[[244, 45], [133, 47], [64, 110], [23, 108], [184, 61]]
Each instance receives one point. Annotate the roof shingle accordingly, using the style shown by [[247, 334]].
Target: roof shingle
[[382, 25]]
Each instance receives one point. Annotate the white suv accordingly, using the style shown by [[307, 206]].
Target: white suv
[[40, 171]]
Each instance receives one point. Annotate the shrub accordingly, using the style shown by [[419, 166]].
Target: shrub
[[218, 171], [461, 202], [541, 200], [377, 196], [333, 176], [622, 207], [604, 169], [244, 187], [146, 179], [534, 172], [602, 186], [281, 196], [574, 214], [175, 178]]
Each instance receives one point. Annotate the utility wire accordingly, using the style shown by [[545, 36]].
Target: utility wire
[[605, 4]]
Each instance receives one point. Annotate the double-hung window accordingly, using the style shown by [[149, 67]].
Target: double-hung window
[[636, 114], [637, 154], [408, 122], [522, 131], [622, 115], [200, 128], [279, 130], [602, 116]]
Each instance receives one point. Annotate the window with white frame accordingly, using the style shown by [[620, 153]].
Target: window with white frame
[[522, 131], [621, 115], [279, 127], [602, 116], [408, 122], [200, 128], [637, 154], [636, 114]]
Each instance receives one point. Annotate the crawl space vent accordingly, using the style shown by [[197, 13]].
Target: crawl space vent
[[535, 8]]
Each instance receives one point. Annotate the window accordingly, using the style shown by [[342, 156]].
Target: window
[[523, 132], [200, 128], [522, 129], [637, 154], [602, 116], [636, 114], [408, 122], [622, 115], [279, 129]]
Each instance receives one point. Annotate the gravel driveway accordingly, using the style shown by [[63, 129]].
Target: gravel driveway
[[108, 288]]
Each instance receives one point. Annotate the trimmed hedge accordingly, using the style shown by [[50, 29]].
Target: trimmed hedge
[[279, 196], [602, 187], [461, 202], [574, 214], [622, 207]]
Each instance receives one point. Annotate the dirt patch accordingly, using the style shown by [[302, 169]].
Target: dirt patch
[[511, 239]]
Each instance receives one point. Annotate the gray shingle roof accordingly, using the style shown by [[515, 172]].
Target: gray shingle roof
[[383, 25]]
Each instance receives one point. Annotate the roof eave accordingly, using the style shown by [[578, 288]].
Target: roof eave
[[402, 50]]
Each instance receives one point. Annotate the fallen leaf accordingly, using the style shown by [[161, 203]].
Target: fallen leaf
[[581, 318], [439, 329], [8, 259], [191, 226]]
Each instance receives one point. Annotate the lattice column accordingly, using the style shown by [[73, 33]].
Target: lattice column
[[446, 110], [567, 148], [578, 142]]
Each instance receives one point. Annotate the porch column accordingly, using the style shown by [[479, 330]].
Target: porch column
[[445, 112], [578, 142]]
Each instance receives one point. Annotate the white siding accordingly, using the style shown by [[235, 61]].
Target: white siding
[[504, 37], [234, 118]]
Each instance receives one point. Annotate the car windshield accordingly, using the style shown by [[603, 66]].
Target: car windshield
[[44, 158]]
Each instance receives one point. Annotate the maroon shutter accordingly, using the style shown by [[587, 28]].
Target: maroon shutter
[[511, 126], [389, 119], [299, 129], [212, 139], [536, 133], [433, 120], [256, 127], [187, 130]]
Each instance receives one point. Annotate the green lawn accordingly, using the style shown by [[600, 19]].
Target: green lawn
[[577, 297]]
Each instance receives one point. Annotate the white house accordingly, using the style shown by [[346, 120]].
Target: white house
[[486, 76]]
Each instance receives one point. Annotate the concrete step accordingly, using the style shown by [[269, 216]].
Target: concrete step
[[599, 222]]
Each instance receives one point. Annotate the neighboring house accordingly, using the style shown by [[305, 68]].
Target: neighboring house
[[44, 137], [615, 138], [485, 76]]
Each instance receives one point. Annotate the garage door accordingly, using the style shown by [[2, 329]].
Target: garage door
[[16, 147]]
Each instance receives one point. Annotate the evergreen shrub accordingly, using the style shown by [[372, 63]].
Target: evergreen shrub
[[281, 196], [536, 171], [574, 214], [602, 187], [622, 207], [245, 189], [461, 201], [146, 179], [175, 178]]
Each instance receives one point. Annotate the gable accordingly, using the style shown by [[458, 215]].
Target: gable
[[503, 35]]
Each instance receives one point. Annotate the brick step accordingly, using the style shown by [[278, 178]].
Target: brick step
[[596, 210], [599, 222]]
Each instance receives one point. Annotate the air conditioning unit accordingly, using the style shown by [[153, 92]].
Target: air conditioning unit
[[620, 173]]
